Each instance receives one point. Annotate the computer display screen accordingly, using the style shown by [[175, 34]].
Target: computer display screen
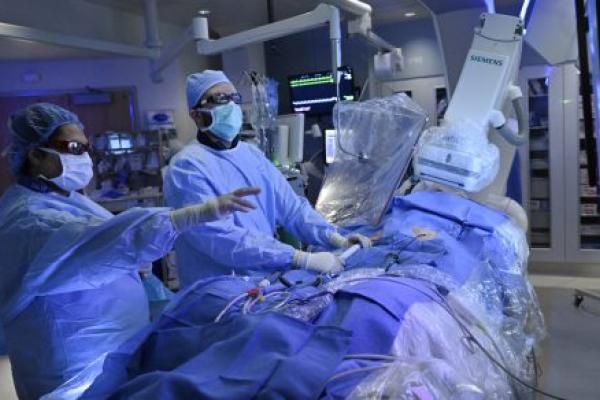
[[315, 93], [119, 143]]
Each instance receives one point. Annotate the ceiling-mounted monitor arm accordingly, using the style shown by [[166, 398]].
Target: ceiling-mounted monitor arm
[[199, 32], [362, 25], [310, 20], [323, 14]]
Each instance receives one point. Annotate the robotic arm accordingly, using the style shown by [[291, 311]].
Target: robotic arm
[[460, 154]]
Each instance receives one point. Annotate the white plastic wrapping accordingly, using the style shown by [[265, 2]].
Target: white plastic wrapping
[[375, 144], [352, 277], [307, 311], [436, 350], [523, 323], [442, 362], [457, 154], [417, 379], [264, 109]]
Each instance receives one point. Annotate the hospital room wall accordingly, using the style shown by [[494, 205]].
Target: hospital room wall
[[68, 75], [88, 20]]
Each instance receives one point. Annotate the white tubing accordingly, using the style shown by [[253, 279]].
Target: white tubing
[[349, 252], [229, 305], [516, 137]]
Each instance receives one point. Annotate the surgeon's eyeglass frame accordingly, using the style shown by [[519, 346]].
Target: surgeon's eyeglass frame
[[69, 146], [220, 99]]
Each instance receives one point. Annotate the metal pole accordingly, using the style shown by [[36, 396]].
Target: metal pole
[[336, 59], [151, 24]]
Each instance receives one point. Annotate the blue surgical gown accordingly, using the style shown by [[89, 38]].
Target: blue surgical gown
[[69, 290], [243, 242]]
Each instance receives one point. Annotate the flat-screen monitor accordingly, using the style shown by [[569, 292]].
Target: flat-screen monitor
[[315, 93], [119, 143]]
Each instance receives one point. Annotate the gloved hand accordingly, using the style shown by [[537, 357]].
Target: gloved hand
[[322, 262], [340, 241], [357, 238], [214, 209]]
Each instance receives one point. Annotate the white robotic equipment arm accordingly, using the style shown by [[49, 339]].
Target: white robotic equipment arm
[[459, 155]]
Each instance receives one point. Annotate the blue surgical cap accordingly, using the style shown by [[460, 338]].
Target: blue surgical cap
[[32, 126], [199, 83]]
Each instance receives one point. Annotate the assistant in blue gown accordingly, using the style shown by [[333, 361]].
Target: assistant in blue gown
[[70, 291]]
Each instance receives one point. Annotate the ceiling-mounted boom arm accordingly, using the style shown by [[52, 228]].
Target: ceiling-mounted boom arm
[[321, 15], [310, 20], [161, 57]]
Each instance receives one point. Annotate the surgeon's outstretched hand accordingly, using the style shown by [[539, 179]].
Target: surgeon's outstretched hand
[[234, 201], [321, 262], [214, 209]]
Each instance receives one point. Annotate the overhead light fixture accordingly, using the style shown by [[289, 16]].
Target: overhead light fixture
[[410, 14]]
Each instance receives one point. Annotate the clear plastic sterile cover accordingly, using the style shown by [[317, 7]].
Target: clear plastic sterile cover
[[463, 140], [374, 149]]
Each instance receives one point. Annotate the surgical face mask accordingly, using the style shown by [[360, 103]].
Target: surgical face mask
[[77, 171], [226, 121]]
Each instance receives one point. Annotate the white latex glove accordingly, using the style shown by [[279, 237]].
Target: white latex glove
[[342, 242], [214, 209], [322, 262]]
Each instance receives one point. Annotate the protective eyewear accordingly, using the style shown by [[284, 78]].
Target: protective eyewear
[[69, 146], [222, 98]]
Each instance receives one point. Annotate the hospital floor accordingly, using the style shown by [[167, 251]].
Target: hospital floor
[[570, 359]]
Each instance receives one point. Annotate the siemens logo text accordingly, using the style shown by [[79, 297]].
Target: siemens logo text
[[487, 60]]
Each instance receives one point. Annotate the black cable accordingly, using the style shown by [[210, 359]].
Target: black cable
[[285, 281], [396, 257], [510, 374]]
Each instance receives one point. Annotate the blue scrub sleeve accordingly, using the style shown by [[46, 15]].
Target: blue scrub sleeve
[[87, 255], [147, 234], [296, 214], [128, 240], [223, 240]]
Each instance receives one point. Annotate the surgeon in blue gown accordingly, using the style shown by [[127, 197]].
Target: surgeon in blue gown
[[217, 162], [69, 288]]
